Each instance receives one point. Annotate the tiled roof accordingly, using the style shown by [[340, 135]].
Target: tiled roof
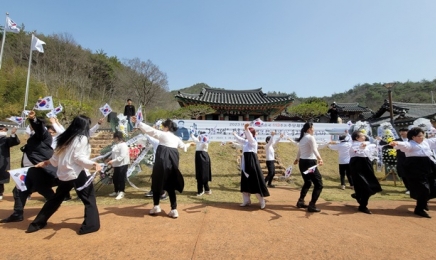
[[234, 97], [352, 107], [412, 110]]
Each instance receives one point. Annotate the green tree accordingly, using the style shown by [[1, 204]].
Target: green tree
[[310, 109]]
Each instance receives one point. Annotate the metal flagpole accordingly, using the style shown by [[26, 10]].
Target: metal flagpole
[[3, 40], [28, 76]]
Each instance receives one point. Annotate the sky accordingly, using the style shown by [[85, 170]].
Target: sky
[[312, 48]]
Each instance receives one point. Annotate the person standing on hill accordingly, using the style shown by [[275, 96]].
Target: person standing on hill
[[270, 158], [129, 111], [308, 159], [5, 146]]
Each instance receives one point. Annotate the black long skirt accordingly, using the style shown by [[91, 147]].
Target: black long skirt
[[203, 171], [421, 175], [166, 174], [255, 183], [362, 173]]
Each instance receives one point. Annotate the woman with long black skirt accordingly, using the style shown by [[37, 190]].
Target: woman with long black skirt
[[71, 156], [252, 180], [166, 174], [420, 168], [308, 158], [203, 171], [120, 160], [362, 171]]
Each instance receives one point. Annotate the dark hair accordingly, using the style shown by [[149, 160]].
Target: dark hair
[[267, 139], [3, 127], [172, 127], [342, 138], [202, 132], [306, 127], [129, 100], [119, 135], [403, 129], [78, 127], [355, 135], [414, 132], [252, 131], [50, 127], [42, 120]]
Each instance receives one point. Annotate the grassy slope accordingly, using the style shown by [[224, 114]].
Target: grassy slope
[[225, 178]]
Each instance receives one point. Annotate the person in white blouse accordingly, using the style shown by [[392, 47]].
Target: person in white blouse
[[308, 157], [120, 160], [362, 171], [154, 143], [420, 169], [343, 148], [203, 170], [71, 158], [270, 157], [166, 174], [252, 180]]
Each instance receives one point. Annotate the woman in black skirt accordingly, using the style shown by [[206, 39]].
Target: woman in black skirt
[[203, 172], [420, 169], [252, 180], [307, 157], [362, 171], [166, 174]]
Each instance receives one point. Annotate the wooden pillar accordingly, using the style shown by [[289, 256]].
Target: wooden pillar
[[247, 117]]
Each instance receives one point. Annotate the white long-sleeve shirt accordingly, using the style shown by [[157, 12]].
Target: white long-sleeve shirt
[[120, 155], [413, 149], [248, 145], [343, 149], [167, 139], [269, 148], [356, 149], [73, 159], [307, 148], [200, 146]]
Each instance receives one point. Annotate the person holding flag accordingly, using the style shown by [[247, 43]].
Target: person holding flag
[[362, 171], [203, 170], [5, 146], [270, 157], [308, 157]]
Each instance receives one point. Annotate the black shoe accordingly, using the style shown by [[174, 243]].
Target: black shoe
[[421, 213], [81, 232], [12, 218], [271, 186], [67, 198], [365, 210], [353, 195], [426, 208], [149, 194], [301, 205], [313, 208], [34, 227]]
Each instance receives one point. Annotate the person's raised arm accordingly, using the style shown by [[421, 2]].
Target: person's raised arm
[[37, 125], [248, 134], [13, 139]]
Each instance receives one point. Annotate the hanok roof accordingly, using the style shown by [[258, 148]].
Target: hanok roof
[[234, 97], [352, 107], [404, 113]]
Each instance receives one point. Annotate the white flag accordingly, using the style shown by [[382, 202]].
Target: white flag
[[139, 116], [55, 111], [44, 104], [11, 26], [17, 119], [19, 176], [37, 44], [105, 110]]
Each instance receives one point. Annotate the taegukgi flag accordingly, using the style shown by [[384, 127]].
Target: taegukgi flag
[[11, 26], [310, 170], [55, 111], [139, 116], [45, 103], [257, 122], [105, 110], [17, 119], [19, 176]]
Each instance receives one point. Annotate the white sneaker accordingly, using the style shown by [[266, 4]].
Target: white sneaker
[[208, 192], [155, 210], [113, 194], [245, 203], [1, 197], [262, 203], [174, 213], [200, 194], [407, 192], [343, 187], [120, 195]]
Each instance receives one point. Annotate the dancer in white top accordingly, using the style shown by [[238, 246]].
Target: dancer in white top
[[203, 170], [120, 160], [343, 148], [270, 157]]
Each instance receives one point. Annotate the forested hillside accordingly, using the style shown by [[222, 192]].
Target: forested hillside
[[83, 80]]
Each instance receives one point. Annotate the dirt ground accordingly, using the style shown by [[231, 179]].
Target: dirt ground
[[227, 231]]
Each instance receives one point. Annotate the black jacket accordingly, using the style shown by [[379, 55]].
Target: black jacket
[[5, 155], [129, 110], [38, 147]]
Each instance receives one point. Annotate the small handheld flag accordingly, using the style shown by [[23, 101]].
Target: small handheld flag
[[17, 119], [105, 110], [257, 122], [45, 103], [19, 176], [310, 170], [288, 172], [139, 116]]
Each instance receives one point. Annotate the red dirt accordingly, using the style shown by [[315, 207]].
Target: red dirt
[[226, 231]]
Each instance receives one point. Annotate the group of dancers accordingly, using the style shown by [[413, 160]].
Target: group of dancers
[[70, 161]]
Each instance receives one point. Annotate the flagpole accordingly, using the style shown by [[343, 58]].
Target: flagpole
[[4, 39], [28, 76]]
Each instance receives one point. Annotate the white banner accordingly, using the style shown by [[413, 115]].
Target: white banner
[[224, 129]]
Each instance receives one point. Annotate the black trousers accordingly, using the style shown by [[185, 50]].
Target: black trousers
[[37, 180], [2, 189], [201, 185], [271, 172], [314, 177], [344, 169], [91, 222], [171, 194], [119, 178]]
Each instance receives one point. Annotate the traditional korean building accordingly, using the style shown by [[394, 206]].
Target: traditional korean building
[[403, 113], [237, 105], [353, 112]]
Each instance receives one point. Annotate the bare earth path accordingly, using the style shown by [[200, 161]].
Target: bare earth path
[[226, 231]]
